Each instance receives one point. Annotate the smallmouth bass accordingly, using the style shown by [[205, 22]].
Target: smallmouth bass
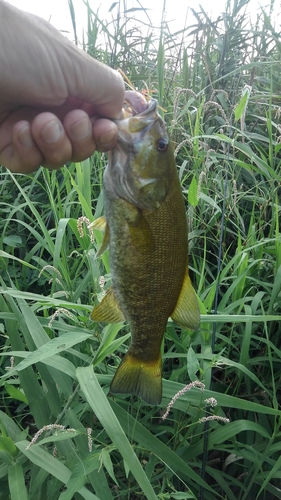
[[146, 232]]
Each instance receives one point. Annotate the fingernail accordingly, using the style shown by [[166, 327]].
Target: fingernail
[[52, 132], [25, 138], [81, 129]]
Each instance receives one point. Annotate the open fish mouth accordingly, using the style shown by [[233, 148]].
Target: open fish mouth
[[139, 115]]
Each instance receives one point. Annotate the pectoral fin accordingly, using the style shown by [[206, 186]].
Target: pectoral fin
[[100, 224], [141, 234], [136, 225], [108, 309], [105, 242], [187, 313]]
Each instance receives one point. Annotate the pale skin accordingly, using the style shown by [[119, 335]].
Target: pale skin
[[56, 102]]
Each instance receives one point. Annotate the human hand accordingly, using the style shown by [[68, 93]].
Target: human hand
[[56, 102]]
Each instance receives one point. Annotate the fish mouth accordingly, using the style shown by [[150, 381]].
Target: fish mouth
[[137, 124], [126, 176]]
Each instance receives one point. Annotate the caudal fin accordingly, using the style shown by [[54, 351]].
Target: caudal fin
[[138, 377]]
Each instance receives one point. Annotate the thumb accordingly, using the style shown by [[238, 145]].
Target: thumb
[[93, 82]]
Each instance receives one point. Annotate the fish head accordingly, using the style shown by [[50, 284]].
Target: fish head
[[141, 165]]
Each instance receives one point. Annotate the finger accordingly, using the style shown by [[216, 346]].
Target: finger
[[50, 137], [105, 133], [21, 154], [101, 86], [78, 128], [86, 135]]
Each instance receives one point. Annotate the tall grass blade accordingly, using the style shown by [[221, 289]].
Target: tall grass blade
[[100, 405]]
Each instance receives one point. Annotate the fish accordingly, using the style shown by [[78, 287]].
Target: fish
[[145, 229]]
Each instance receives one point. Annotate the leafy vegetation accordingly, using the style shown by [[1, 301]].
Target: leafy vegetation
[[218, 83]]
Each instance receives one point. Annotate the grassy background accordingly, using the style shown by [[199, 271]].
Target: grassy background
[[219, 83]]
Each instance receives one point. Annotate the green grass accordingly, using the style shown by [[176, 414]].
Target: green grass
[[219, 84]]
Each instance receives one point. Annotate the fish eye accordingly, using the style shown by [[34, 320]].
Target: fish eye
[[162, 144]]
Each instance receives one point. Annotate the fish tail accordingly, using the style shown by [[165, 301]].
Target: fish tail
[[136, 376]]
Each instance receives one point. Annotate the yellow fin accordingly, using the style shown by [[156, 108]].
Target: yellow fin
[[104, 243], [187, 313], [135, 376], [100, 224], [108, 309]]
